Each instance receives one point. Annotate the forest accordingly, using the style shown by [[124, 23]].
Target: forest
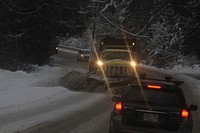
[[169, 30]]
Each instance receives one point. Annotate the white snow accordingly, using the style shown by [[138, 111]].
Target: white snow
[[195, 69], [20, 91], [20, 88]]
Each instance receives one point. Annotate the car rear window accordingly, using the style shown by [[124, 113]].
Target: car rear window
[[166, 98]]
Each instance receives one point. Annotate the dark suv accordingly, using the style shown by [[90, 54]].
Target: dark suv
[[152, 106]]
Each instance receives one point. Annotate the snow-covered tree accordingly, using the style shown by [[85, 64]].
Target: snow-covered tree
[[129, 15], [168, 34]]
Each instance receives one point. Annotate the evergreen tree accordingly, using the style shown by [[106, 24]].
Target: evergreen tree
[[30, 28]]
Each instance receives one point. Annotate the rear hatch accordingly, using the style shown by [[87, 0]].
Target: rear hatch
[[160, 118], [153, 107]]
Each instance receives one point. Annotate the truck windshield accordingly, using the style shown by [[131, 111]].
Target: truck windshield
[[110, 55]]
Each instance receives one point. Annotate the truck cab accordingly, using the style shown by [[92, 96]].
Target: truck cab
[[114, 57]]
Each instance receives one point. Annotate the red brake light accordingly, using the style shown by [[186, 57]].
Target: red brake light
[[184, 113], [118, 106], [154, 87]]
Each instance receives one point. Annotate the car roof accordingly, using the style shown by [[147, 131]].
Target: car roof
[[163, 84], [149, 82], [157, 86], [166, 84], [168, 80]]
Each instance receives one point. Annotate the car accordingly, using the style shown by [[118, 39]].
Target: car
[[151, 106], [83, 55]]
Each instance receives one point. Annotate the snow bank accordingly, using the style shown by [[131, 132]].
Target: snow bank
[[178, 69], [189, 69], [19, 89]]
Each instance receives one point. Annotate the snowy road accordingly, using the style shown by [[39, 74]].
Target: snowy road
[[34, 103], [91, 115], [92, 118], [40, 106], [64, 110], [68, 59], [98, 119]]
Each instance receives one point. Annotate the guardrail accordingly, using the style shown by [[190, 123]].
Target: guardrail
[[71, 48], [66, 47]]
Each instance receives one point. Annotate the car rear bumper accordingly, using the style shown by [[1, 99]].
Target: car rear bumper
[[118, 127]]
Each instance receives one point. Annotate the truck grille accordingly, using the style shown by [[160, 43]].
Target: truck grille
[[116, 71]]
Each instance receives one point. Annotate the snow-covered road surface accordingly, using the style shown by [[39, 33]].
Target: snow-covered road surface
[[73, 121], [36, 101], [30, 98]]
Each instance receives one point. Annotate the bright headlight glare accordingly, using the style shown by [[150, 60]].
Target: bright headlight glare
[[100, 63], [82, 55], [133, 63]]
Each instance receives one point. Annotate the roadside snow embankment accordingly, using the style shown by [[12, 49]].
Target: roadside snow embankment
[[27, 99], [193, 71], [19, 90]]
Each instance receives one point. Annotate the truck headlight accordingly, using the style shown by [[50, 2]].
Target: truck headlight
[[100, 63], [133, 63]]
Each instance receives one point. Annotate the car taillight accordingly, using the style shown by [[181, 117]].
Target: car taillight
[[154, 87], [184, 115], [118, 106]]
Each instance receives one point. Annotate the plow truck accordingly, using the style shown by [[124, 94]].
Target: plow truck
[[114, 58]]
